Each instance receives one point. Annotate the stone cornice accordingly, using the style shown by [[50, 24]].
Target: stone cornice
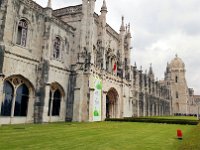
[[68, 10], [33, 5], [63, 24], [60, 68], [23, 57], [112, 32]]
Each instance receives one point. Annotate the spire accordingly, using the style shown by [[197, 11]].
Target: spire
[[126, 27], [167, 68], [104, 7], [122, 28], [129, 31], [135, 65], [141, 68], [129, 27], [150, 70], [49, 4]]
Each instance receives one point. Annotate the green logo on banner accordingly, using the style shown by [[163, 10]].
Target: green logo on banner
[[99, 86], [96, 113]]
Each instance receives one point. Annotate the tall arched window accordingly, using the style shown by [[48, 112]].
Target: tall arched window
[[176, 79], [176, 94], [57, 48], [7, 102], [21, 102], [15, 102], [22, 32], [54, 103]]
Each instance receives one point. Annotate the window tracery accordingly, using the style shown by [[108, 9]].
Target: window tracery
[[55, 97], [22, 32], [57, 48], [15, 102]]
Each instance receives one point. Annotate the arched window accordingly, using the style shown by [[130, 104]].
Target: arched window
[[176, 94], [7, 102], [15, 102], [22, 32], [176, 79], [57, 48], [54, 103], [21, 102]]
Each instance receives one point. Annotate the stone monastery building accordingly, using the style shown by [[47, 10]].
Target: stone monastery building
[[70, 65]]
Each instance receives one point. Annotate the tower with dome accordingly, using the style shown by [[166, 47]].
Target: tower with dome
[[181, 96]]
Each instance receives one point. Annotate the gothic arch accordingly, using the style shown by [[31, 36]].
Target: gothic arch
[[56, 85], [56, 97], [18, 97], [112, 103], [23, 30], [18, 79]]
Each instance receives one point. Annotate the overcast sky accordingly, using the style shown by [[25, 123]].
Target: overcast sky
[[160, 30]]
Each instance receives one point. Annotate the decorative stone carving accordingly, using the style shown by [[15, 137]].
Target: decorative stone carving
[[33, 5], [68, 10]]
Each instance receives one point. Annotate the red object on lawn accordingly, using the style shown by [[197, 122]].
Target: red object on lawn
[[179, 134]]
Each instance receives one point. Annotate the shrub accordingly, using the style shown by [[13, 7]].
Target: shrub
[[155, 120]]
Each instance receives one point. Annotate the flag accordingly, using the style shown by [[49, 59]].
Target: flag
[[114, 67]]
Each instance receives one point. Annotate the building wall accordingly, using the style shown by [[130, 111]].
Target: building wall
[[89, 48]]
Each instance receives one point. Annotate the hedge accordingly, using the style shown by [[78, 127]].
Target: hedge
[[155, 120]]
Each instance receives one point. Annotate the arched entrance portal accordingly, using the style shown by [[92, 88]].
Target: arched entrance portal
[[112, 104]]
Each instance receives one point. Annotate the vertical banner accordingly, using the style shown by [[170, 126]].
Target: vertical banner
[[97, 99]]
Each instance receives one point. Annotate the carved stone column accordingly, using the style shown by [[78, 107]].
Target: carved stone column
[[157, 109], [103, 113], [149, 107], [1, 89], [145, 105], [46, 104]]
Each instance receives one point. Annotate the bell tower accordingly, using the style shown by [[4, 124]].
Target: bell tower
[[175, 77]]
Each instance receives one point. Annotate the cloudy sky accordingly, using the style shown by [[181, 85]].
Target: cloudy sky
[[160, 30]]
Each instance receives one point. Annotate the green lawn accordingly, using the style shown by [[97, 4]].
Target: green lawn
[[93, 136], [192, 141]]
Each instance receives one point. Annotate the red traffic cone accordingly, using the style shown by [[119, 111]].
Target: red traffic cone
[[179, 134]]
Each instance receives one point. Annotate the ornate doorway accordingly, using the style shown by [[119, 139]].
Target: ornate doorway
[[112, 104]]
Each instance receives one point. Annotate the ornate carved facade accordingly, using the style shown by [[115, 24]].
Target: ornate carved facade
[[70, 65]]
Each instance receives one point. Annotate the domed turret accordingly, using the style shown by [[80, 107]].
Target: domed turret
[[177, 63], [176, 81]]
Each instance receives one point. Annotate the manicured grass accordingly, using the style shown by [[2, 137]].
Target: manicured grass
[[192, 140], [93, 136]]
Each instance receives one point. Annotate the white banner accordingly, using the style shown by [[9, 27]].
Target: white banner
[[97, 99]]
